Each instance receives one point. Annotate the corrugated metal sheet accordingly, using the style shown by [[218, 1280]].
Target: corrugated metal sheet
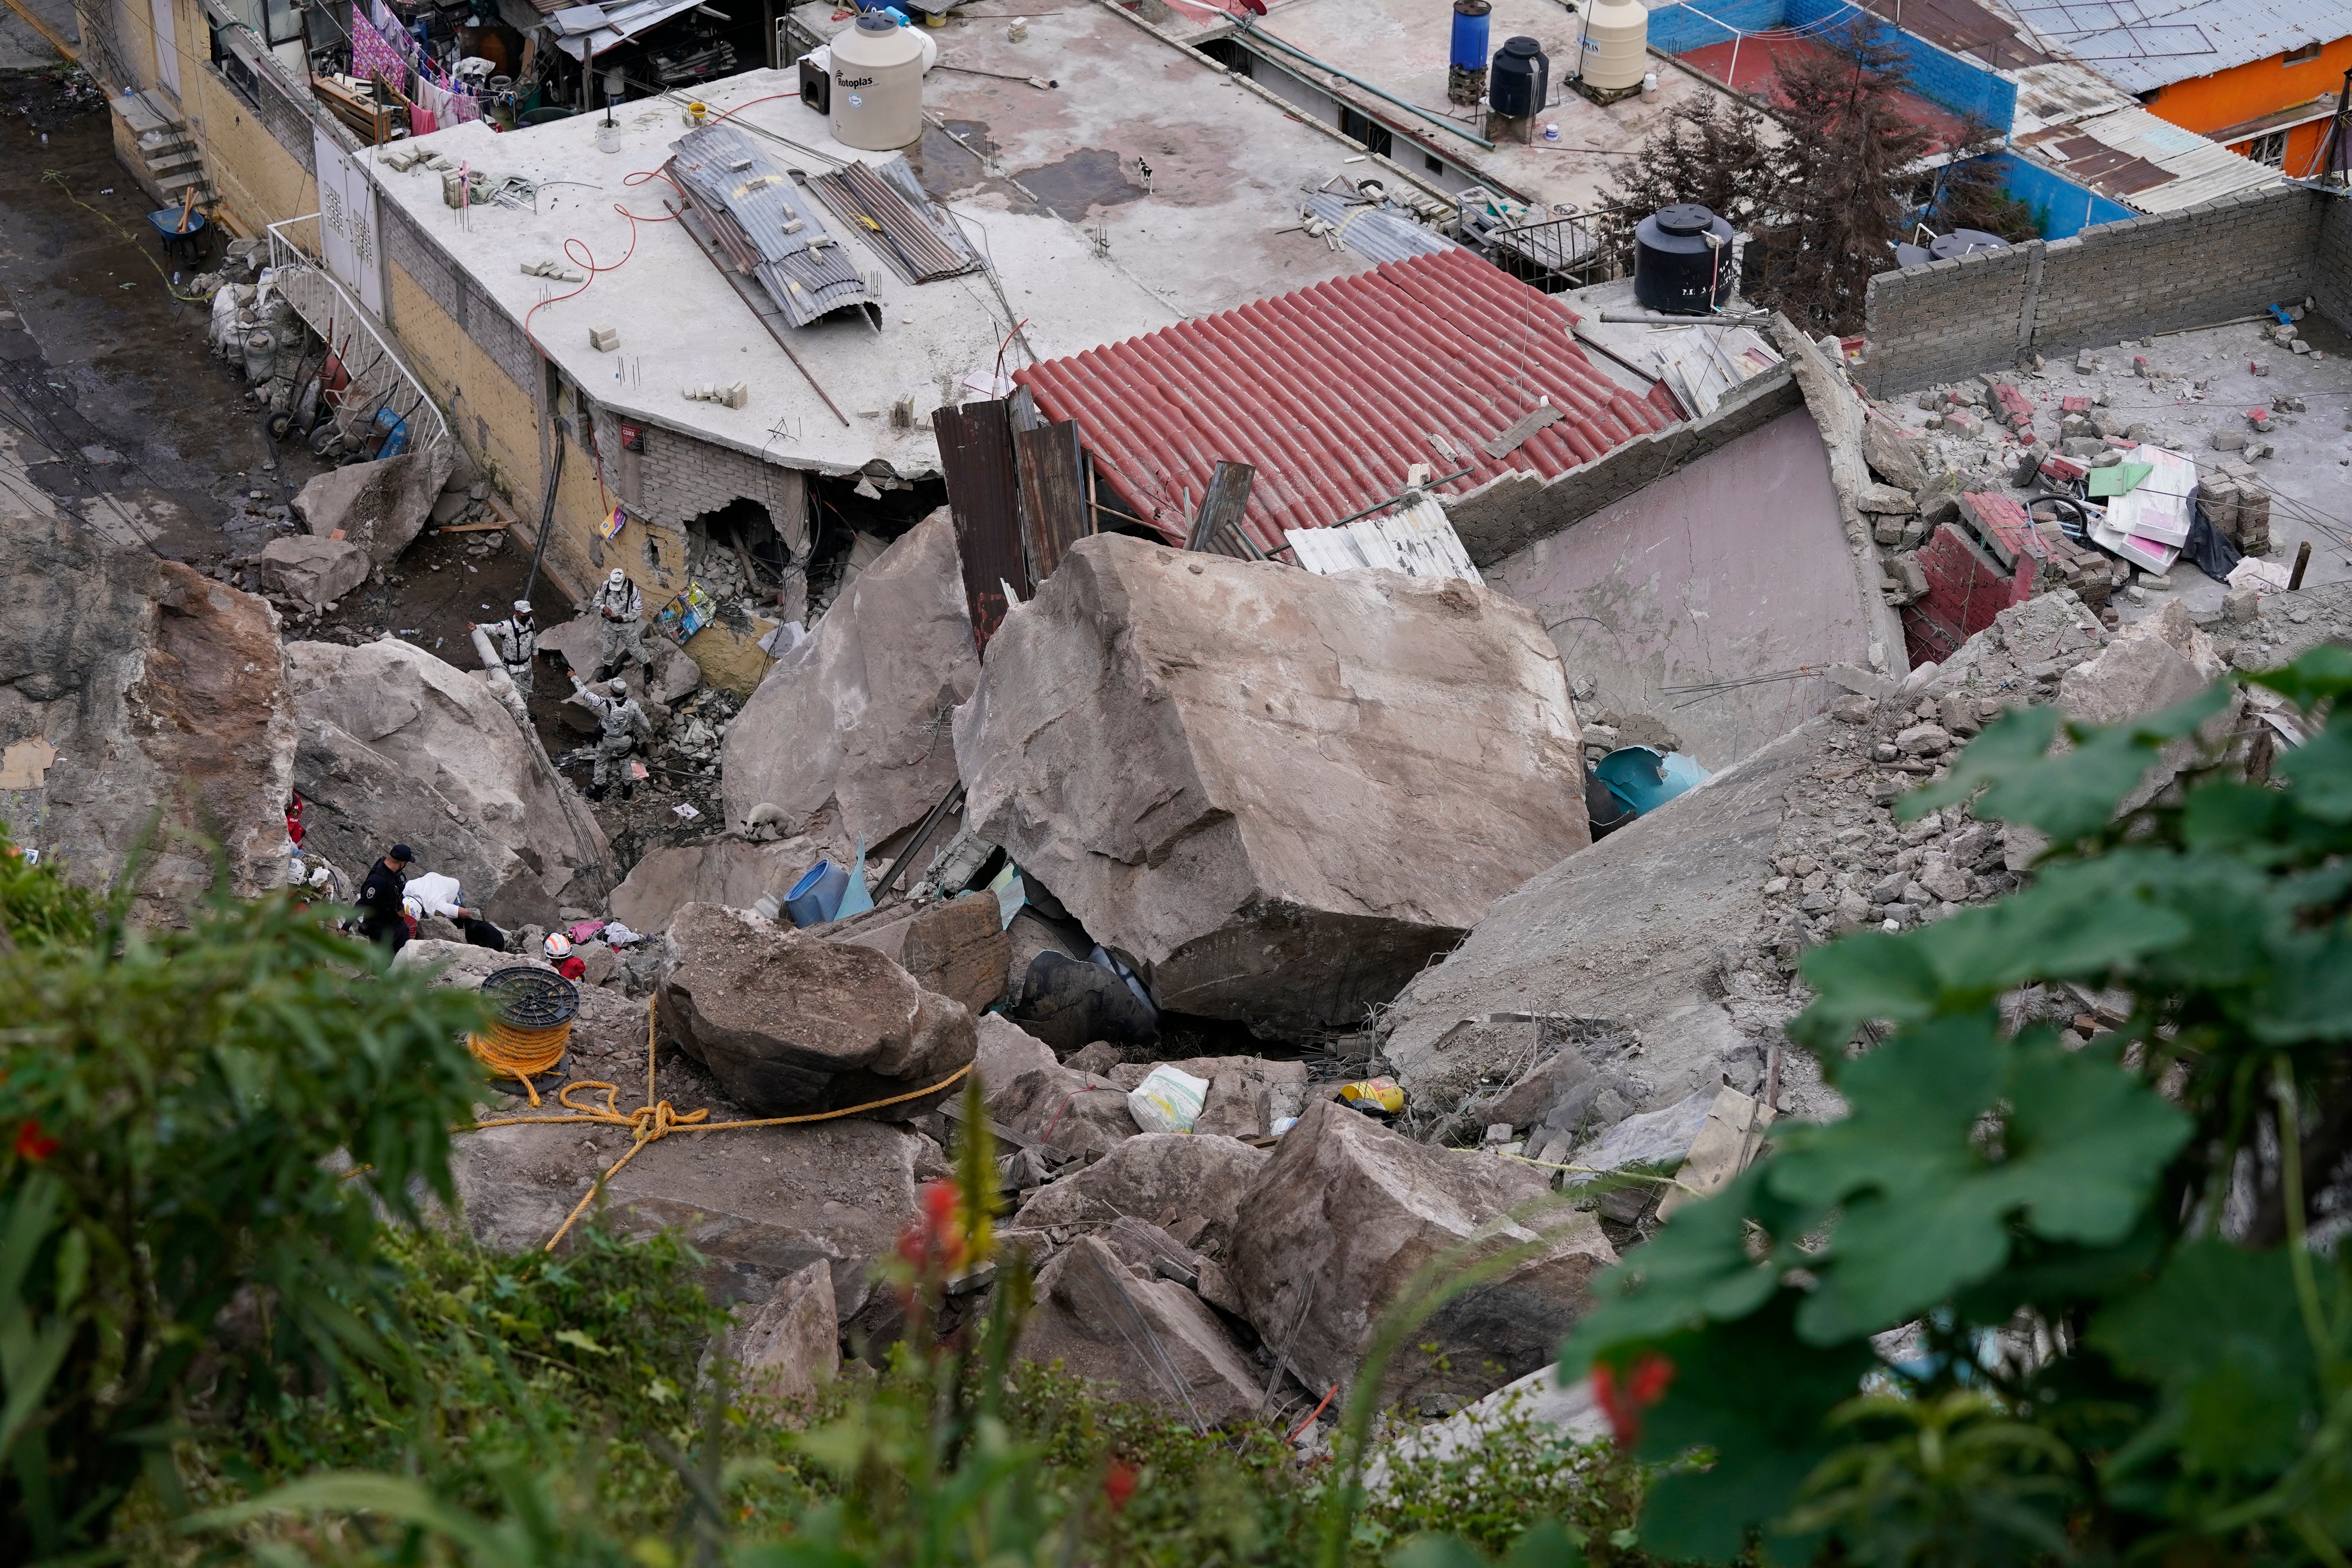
[[1418, 540], [2144, 43], [887, 209], [802, 264], [984, 500], [2199, 170], [1334, 391], [1378, 233]]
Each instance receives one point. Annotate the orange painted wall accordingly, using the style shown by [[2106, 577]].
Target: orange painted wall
[[2232, 97]]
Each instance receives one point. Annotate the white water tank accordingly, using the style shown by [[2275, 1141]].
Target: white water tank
[[877, 84], [1616, 44]]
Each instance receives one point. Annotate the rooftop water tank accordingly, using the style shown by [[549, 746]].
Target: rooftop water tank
[[877, 85], [1465, 67], [1682, 260], [1616, 44], [1520, 83]]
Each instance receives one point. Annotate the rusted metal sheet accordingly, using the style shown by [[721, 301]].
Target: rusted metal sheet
[[1223, 504], [921, 243], [983, 498], [1053, 494]]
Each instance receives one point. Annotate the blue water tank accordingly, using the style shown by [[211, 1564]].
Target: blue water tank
[[1470, 34], [816, 897]]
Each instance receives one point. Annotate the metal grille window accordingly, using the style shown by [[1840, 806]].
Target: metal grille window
[[2269, 150]]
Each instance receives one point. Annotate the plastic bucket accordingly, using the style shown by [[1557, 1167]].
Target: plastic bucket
[[816, 897]]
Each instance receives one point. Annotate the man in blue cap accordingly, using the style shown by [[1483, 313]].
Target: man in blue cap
[[381, 919]]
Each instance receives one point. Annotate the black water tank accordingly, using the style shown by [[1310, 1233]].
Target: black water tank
[[1674, 269], [1962, 242], [1520, 82]]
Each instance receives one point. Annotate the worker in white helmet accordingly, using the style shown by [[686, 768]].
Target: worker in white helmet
[[621, 724], [620, 615], [515, 639]]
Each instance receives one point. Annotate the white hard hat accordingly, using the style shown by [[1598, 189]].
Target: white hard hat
[[522, 606], [620, 686], [618, 577], [556, 945]]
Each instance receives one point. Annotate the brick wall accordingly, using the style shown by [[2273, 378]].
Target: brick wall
[[2203, 264]]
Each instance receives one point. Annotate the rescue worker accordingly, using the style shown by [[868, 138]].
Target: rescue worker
[[516, 638], [621, 610], [621, 723], [381, 896], [568, 963]]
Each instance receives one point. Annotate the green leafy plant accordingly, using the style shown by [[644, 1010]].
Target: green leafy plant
[[2118, 1340], [172, 1103]]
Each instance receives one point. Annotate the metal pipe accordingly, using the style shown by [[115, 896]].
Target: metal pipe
[[1430, 115], [1626, 318]]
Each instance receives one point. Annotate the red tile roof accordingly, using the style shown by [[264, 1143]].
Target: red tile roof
[[1331, 393]]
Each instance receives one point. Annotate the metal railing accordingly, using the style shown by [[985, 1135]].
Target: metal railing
[[380, 377], [1558, 254]]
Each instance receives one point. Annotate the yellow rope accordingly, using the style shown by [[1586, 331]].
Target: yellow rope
[[511, 1052], [658, 1119]]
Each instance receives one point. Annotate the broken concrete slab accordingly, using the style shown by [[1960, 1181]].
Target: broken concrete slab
[[381, 506], [135, 685], [1891, 455], [398, 747], [789, 1346], [735, 872], [313, 571], [789, 1023], [1280, 792], [577, 641], [1190, 1185], [1348, 1212], [1092, 1308], [848, 735]]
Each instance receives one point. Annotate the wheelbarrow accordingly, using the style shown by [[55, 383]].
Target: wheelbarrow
[[183, 230]]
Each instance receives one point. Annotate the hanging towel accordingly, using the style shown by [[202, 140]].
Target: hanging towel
[[372, 55]]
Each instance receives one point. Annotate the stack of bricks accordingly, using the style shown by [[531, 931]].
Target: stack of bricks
[[2076, 566], [2016, 408], [2238, 504]]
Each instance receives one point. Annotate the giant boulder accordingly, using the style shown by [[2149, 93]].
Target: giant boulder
[[848, 734], [1282, 793], [790, 1023], [1094, 1312], [735, 872], [379, 506], [313, 571], [131, 686], [1190, 1185], [1345, 1215], [398, 747]]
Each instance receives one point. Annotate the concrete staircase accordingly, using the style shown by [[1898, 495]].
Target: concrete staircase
[[153, 143]]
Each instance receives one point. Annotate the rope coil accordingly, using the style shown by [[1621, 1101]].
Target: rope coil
[[533, 1024]]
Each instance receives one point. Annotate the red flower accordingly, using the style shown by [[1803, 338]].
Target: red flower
[[1119, 1484], [32, 1144], [1624, 1393], [935, 1237]]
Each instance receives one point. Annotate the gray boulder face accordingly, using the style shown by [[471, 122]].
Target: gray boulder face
[[129, 686], [848, 735], [759, 1204], [1281, 793], [788, 1345], [1347, 1211], [1092, 1308], [675, 675], [734, 872], [956, 947], [2151, 665], [397, 747], [381, 506], [312, 569], [1189, 1185], [790, 1023]]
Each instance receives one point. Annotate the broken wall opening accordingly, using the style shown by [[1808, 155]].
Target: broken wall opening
[[854, 518]]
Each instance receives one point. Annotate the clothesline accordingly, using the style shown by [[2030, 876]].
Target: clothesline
[[381, 46]]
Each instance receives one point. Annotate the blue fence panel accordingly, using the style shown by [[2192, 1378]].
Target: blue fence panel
[[1695, 24], [2063, 207], [1961, 85]]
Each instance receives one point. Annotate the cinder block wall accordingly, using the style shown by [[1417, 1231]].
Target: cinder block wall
[[2331, 281], [2114, 280]]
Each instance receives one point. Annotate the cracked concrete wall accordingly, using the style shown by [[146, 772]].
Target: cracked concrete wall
[[1734, 566]]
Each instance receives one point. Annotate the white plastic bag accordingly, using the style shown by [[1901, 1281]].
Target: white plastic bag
[[1168, 1100]]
